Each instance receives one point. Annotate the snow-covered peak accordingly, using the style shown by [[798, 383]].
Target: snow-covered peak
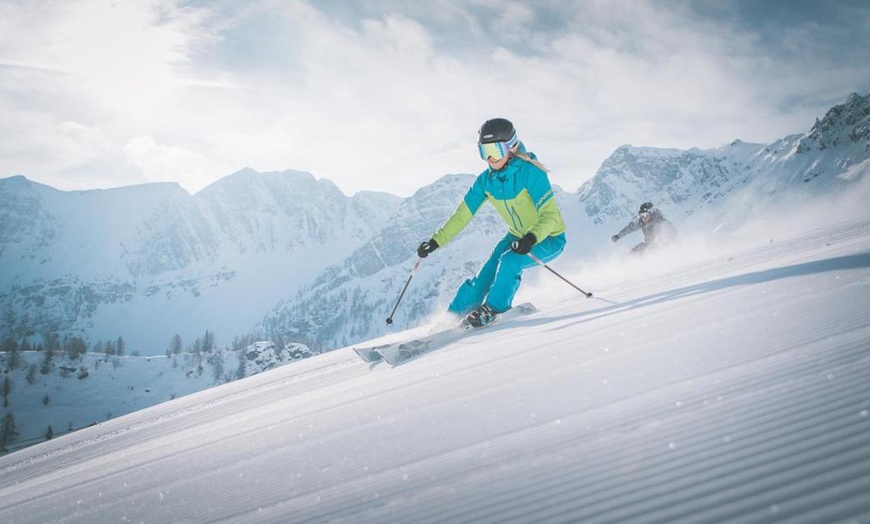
[[737, 181], [251, 182], [842, 125], [96, 263], [676, 180], [47, 233]]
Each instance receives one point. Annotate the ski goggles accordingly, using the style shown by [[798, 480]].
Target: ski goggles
[[496, 150]]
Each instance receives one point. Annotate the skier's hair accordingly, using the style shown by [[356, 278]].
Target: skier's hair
[[527, 158]]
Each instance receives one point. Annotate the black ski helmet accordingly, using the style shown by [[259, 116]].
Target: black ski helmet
[[645, 207], [497, 130]]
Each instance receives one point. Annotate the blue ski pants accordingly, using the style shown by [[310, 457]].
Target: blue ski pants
[[498, 280]]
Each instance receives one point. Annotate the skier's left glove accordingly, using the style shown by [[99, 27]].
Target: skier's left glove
[[524, 245]]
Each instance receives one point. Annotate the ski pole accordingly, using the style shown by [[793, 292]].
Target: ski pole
[[414, 269], [538, 260]]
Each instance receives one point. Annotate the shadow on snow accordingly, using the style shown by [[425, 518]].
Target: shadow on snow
[[858, 261]]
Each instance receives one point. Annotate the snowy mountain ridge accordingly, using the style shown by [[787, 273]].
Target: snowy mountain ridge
[[737, 182], [99, 263]]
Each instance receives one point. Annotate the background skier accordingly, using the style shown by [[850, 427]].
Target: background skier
[[516, 184], [657, 230]]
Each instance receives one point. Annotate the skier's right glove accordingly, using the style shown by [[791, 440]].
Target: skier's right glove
[[426, 248], [614, 238]]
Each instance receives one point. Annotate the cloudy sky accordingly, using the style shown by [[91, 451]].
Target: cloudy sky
[[388, 95]]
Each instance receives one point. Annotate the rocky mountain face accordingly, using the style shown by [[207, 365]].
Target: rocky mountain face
[[104, 263], [736, 182], [845, 125], [686, 180]]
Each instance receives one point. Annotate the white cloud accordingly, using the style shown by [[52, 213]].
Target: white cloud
[[386, 98], [161, 163], [121, 54], [85, 74]]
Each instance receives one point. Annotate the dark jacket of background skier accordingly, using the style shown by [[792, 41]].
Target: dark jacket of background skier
[[656, 231]]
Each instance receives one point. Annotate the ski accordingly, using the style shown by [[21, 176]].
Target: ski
[[369, 354], [400, 352]]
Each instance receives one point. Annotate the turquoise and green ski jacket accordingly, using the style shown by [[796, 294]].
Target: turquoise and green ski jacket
[[522, 195]]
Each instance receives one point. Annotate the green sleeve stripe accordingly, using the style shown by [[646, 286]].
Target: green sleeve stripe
[[549, 220], [460, 218]]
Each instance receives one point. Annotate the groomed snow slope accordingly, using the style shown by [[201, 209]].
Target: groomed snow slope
[[735, 389]]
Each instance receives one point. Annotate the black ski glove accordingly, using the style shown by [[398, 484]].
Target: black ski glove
[[614, 238], [524, 245], [427, 247]]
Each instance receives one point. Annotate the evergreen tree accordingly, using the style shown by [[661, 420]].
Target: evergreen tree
[[10, 347], [75, 347], [49, 433], [217, 362], [280, 343], [120, 346], [47, 362], [7, 431], [8, 322], [8, 344], [31, 373], [176, 346], [51, 343], [241, 371]]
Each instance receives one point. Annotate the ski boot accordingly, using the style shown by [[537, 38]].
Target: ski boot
[[481, 316]]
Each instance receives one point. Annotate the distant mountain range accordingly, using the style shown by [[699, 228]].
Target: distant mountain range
[[151, 261], [284, 254]]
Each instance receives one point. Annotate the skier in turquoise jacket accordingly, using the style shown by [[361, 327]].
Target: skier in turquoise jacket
[[516, 184]]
